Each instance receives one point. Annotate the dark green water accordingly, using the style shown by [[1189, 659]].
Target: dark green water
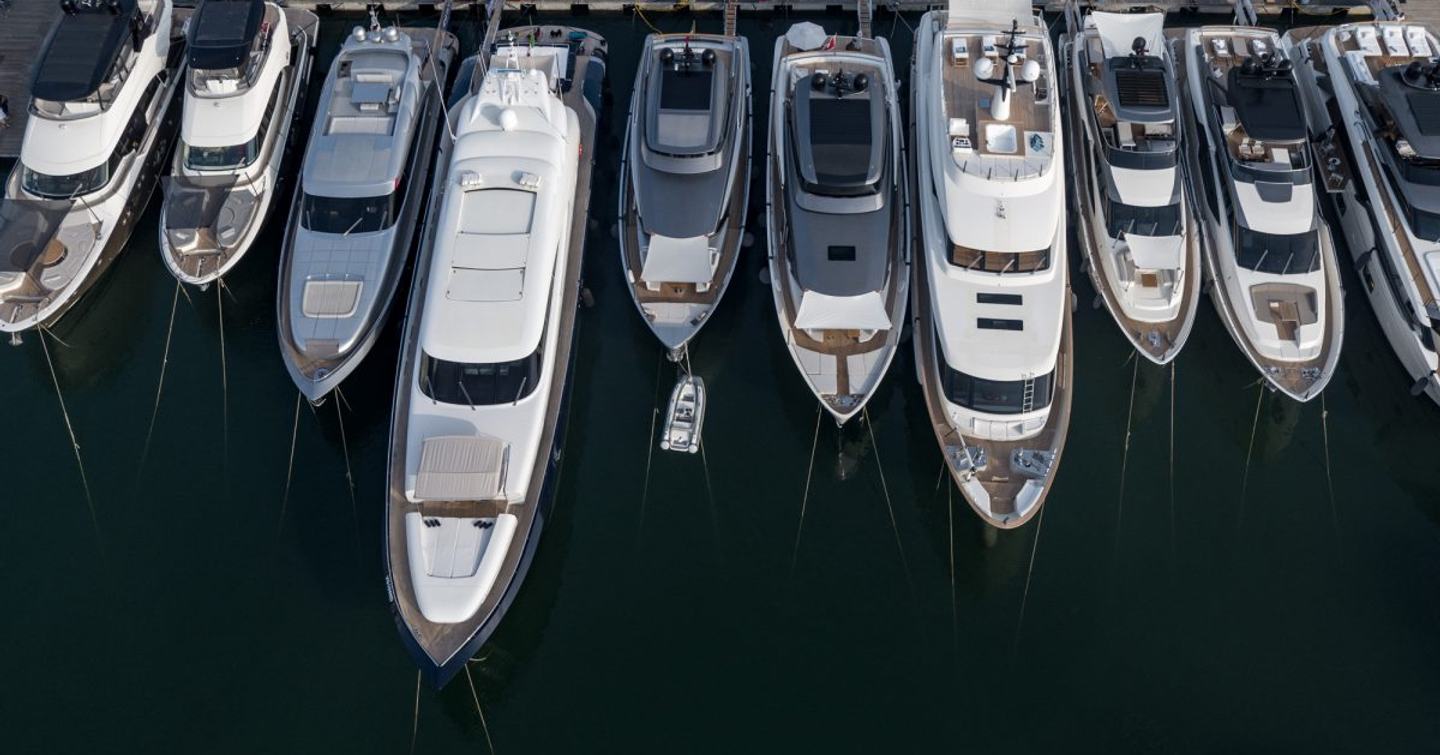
[[199, 613]]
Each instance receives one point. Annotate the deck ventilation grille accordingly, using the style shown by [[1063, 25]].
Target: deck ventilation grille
[[1141, 88]]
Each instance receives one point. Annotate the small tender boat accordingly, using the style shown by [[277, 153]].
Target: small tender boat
[[685, 179], [484, 380], [1268, 253], [992, 336], [102, 122], [685, 417], [249, 62], [839, 215], [362, 186], [1373, 92], [1136, 225]]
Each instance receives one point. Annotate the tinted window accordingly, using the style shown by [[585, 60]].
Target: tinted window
[[1425, 225], [840, 140], [993, 396], [1277, 253], [685, 90], [1146, 221], [219, 158], [64, 187], [479, 384], [347, 215]]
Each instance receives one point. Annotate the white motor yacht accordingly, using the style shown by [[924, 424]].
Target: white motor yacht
[[484, 378], [100, 130], [839, 225], [1136, 229], [249, 62], [1373, 93], [1269, 256], [992, 306]]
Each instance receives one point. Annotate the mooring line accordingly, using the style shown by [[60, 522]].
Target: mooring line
[[1329, 486], [710, 496], [805, 499], [349, 477], [1125, 460], [1172, 463], [649, 449], [1245, 476], [224, 379], [74, 442], [415, 720], [954, 607], [885, 488], [160, 385], [484, 726], [290, 469], [1029, 572]]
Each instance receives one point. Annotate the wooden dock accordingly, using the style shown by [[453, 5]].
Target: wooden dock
[[22, 32]]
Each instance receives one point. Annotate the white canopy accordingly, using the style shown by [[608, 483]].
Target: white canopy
[[1119, 30], [671, 260], [823, 312], [999, 11], [461, 468], [1156, 252]]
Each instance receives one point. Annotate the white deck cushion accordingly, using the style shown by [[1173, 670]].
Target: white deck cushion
[[671, 260], [461, 468]]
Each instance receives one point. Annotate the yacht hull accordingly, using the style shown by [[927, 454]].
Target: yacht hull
[[442, 650], [317, 378], [204, 269], [697, 306]]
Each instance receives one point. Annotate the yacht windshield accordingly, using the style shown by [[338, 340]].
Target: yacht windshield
[[222, 158], [65, 187], [347, 215], [1277, 253], [994, 396], [479, 384]]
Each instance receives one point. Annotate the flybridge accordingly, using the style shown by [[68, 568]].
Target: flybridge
[[85, 54]]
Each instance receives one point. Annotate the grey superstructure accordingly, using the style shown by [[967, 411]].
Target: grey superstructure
[[685, 178], [353, 218]]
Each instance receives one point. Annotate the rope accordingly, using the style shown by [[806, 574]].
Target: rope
[[415, 721], [649, 447], [74, 443], [290, 470], [1029, 572], [1172, 462], [885, 488], [710, 496], [164, 360], [641, 14], [809, 471], [1329, 486], [349, 478], [1245, 477], [954, 608], [224, 379], [483, 725], [1125, 459]]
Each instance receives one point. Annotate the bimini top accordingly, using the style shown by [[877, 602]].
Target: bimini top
[[1266, 100], [223, 32], [839, 135], [687, 102], [82, 49]]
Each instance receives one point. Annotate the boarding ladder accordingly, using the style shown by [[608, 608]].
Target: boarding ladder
[[865, 11], [1027, 402], [732, 13]]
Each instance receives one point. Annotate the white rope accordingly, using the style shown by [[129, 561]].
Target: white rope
[[74, 443], [159, 386], [349, 477], [290, 470], [224, 379], [954, 608], [483, 725], [1125, 459], [1245, 477], [649, 447], [415, 721], [1172, 462], [809, 472], [885, 488], [1329, 485], [1029, 572]]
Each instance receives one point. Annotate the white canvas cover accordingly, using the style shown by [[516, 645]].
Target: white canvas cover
[[461, 468], [997, 11], [806, 35], [671, 260], [824, 312], [1119, 30], [1156, 253]]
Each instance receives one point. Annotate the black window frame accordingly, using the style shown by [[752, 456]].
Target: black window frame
[[440, 380]]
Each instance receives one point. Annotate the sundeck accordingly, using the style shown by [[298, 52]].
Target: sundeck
[[685, 179], [992, 296], [362, 185], [249, 62], [1268, 253], [483, 384], [1373, 91], [1136, 229], [100, 129], [839, 230]]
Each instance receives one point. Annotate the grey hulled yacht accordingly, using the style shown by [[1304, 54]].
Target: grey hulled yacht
[[362, 185], [685, 179]]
